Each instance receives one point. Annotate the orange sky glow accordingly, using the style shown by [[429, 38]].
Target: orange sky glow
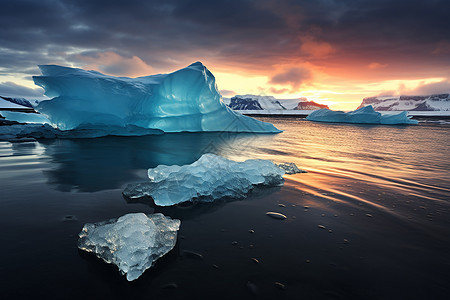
[[331, 52]]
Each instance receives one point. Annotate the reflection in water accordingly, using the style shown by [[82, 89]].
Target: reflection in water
[[384, 190], [89, 165], [190, 210]]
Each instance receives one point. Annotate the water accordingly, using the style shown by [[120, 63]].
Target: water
[[381, 195]]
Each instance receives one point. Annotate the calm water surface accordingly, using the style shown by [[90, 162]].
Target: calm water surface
[[382, 194]]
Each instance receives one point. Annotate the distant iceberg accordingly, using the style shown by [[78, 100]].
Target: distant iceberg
[[210, 178], [185, 100], [363, 115], [132, 242]]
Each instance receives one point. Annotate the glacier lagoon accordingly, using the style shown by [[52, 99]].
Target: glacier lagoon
[[379, 193]]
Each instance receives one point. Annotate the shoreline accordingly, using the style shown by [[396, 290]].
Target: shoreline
[[293, 113], [305, 113]]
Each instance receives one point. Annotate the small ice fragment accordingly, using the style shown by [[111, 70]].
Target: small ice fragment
[[132, 242], [276, 215], [290, 168]]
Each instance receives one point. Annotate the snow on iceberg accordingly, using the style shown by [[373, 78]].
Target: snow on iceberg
[[209, 178], [185, 100], [132, 242], [363, 115]]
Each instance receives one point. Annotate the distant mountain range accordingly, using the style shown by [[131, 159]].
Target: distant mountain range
[[15, 102], [438, 102], [254, 102]]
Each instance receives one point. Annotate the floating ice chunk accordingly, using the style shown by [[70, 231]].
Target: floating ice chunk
[[24, 117], [290, 168], [363, 115], [132, 242], [44, 131], [209, 178], [185, 100]]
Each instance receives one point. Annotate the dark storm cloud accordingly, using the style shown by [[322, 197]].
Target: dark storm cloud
[[294, 77], [252, 34]]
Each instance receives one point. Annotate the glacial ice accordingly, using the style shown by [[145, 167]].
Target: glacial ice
[[26, 132], [132, 242], [185, 100], [24, 117], [209, 178], [363, 115]]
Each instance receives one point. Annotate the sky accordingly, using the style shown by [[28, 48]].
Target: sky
[[332, 52]]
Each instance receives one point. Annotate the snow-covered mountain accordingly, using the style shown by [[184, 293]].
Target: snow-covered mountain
[[14, 102], [310, 105], [254, 102], [438, 102]]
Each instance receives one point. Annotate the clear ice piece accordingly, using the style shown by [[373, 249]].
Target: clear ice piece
[[132, 242], [209, 178]]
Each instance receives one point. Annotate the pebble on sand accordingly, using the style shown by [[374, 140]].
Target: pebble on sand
[[276, 215]]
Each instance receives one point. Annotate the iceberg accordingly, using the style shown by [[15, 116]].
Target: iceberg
[[363, 115], [132, 242], [210, 178], [185, 100]]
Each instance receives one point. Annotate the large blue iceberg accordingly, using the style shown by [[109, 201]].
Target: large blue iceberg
[[364, 115], [185, 100]]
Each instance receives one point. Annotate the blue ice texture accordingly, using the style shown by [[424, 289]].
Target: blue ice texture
[[363, 115], [210, 178], [24, 117], [132, 242], [185, 100]]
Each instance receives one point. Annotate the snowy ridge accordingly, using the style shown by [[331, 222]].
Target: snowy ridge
[[438, 102], [255, 102], [17, 102]]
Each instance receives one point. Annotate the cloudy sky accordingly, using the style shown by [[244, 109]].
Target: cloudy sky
[[334, 52]]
